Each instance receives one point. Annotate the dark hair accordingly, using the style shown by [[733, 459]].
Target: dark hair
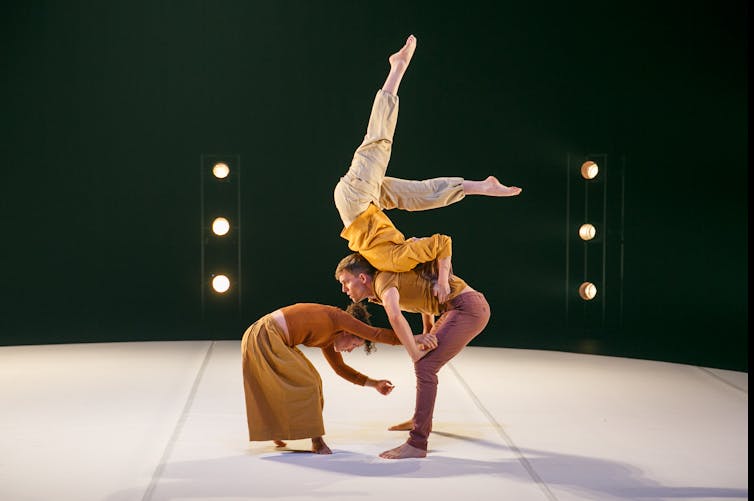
[[355, 264], [359, 312]]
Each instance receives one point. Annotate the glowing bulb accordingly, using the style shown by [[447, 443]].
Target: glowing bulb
[[221, 284], [589, 170], [587, 291], [221, 170], [220, 226], [587, 231]]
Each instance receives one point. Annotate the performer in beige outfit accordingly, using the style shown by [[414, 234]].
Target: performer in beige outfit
[[365, 192]]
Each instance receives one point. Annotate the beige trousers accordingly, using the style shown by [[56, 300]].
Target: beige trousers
[[366, 183]]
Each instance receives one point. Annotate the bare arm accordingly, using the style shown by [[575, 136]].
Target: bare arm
[[442, 288], [383, 386], [428, 321], [391, 303]]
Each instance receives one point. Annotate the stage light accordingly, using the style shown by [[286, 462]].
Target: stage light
[[220, 239], [220, 284], [589, 170], [587, 291], [587, 231], [221, 170], [220, 226]]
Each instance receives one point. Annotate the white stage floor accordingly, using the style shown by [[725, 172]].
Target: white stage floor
[[166, 421]]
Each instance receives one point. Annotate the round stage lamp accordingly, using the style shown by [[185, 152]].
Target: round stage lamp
[[221, 284], [587, 291], [220, 226], [589, 170], [221, 170], [587, 231]]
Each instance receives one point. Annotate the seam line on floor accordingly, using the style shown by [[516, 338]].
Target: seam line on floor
[[506, 438], [722, 380], [178, 426]]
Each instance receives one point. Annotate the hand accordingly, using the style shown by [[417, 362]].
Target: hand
[[384, 386], [419, 355], [426, 342], [441, 291]]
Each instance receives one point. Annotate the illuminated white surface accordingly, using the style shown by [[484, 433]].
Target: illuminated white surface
[[166, 421]]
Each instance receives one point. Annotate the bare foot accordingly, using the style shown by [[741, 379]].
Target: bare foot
[[401, 58], [404, 426], [404, 451], [320, 447], [490, 187], [398, 65], [279, 443]]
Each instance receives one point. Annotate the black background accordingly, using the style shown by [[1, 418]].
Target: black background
[[107, 108]]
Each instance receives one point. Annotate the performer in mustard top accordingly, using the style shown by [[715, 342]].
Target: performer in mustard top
[[283, 390], [462, 317], [365, 192]]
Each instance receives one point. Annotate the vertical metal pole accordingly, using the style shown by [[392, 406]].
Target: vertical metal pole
[[238, 238], [201, 232], [568, 240], [621, 236], [604, 242]]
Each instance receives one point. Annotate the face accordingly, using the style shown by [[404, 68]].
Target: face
[[346, 342], [355, 287]]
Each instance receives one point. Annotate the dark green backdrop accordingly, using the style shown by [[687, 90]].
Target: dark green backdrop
[[107, 107]]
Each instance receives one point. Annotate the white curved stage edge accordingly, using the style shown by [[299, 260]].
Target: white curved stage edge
[[166, 421]]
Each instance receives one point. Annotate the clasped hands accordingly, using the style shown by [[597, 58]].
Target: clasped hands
[[425, 342]]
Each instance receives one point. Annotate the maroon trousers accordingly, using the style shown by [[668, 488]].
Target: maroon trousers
[[466, 316]]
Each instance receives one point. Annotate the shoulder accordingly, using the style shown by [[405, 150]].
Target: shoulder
[[384, 280]]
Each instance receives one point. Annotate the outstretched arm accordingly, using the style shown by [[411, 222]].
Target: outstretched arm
[[345, 371], [383, 386]]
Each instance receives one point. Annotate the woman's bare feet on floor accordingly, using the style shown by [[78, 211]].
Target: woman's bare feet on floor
[[320, 447]]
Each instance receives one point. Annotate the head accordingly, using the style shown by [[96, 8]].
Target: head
[[360, 312], [355, 275], [345, 341]]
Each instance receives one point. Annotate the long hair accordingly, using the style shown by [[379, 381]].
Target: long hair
[[359, 312]]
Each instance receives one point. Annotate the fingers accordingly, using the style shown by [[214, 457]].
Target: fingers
[[429, 342]]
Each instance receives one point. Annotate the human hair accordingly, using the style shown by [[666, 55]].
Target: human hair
[[354, 264], [359, 312]]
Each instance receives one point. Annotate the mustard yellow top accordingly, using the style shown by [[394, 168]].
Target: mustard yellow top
[[375, 237], [415, 291], [316, 325]]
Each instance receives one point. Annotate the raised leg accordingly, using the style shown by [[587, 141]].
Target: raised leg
[[490, 187], [398, 65]]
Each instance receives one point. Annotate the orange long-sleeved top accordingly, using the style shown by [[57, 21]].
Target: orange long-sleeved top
[[374, 236], [316, 325]]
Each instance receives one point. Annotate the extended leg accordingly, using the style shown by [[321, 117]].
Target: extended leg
[[362, 183]]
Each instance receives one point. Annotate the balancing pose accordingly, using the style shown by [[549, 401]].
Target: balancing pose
[[364, 192], [283, 390], [462, 317]]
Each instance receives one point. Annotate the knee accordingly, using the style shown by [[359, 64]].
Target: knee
[[425, 375]]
